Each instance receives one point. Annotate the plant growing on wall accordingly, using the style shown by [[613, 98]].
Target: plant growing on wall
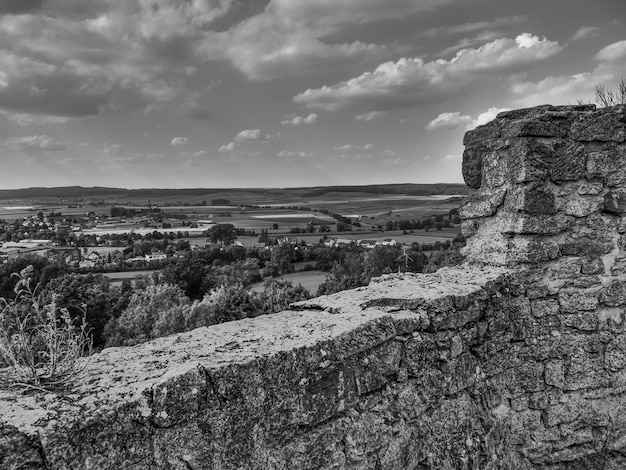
[[606, 98], [42, 347]]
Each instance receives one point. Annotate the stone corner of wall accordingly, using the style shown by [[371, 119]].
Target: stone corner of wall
[[542, 182]]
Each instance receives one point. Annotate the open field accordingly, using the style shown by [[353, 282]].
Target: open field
[[118, 277], [277, 211], [310, 280]]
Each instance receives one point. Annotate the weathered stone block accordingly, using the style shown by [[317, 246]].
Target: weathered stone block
[[568, 162], [472, 168], [582, 206], [608, 165], [547, 111], [544, 307], [587, 321], [488, 131], [537, 224], [615, 355], [564, 268], [469, 228], [562, 413], [532, 200], [534, 128], [607, 125], [529, 159], [591, 189], [592, 265], [615, 201], [486, 245], [614, 295], [618, 267], [586, 245], [555, 373], [575, 300], [525, 249], [482, 203], [585, 371], [621, 224], [529, 377], [371, 370], [495, 167]]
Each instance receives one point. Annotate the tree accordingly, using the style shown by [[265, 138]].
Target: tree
[[380, 260], [282, 257], [85, 296], [342, 276], [232, 302], [156, 311], [192, 275], [223, 233], [278, 294], [606, 98]]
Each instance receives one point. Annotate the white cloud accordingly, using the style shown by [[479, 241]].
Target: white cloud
[[455, 121], [270, 137], [293, 154], [465, 28], [248, 134], [366, 117], [612, 53], [585, 32], [561, 89], [287, 37], [344, 148], [33, 143], [485, 117], [179, 141], [388, 153], [351, 147], [115, 152], [299, 120], [201, 153], [449, 122], [411, 81], [228, 147], [564, 89], [24, 119]]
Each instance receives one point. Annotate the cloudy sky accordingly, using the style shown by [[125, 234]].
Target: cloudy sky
[[278, 93]]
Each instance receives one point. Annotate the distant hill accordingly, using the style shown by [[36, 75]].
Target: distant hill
[[80, 191], [236, 196], [410, 189], [70, 192]]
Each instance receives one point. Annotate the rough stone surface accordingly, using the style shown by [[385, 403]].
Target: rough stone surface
[[514, 360], [336, 382]]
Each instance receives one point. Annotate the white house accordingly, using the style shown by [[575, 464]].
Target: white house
[[156, 257]]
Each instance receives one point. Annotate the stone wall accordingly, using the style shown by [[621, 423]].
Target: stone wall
[[514, 360], [548, 202]]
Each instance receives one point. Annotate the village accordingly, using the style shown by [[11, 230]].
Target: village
[[143, 238]]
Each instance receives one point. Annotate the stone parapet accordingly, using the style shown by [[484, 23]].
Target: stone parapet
[[341, 381]]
